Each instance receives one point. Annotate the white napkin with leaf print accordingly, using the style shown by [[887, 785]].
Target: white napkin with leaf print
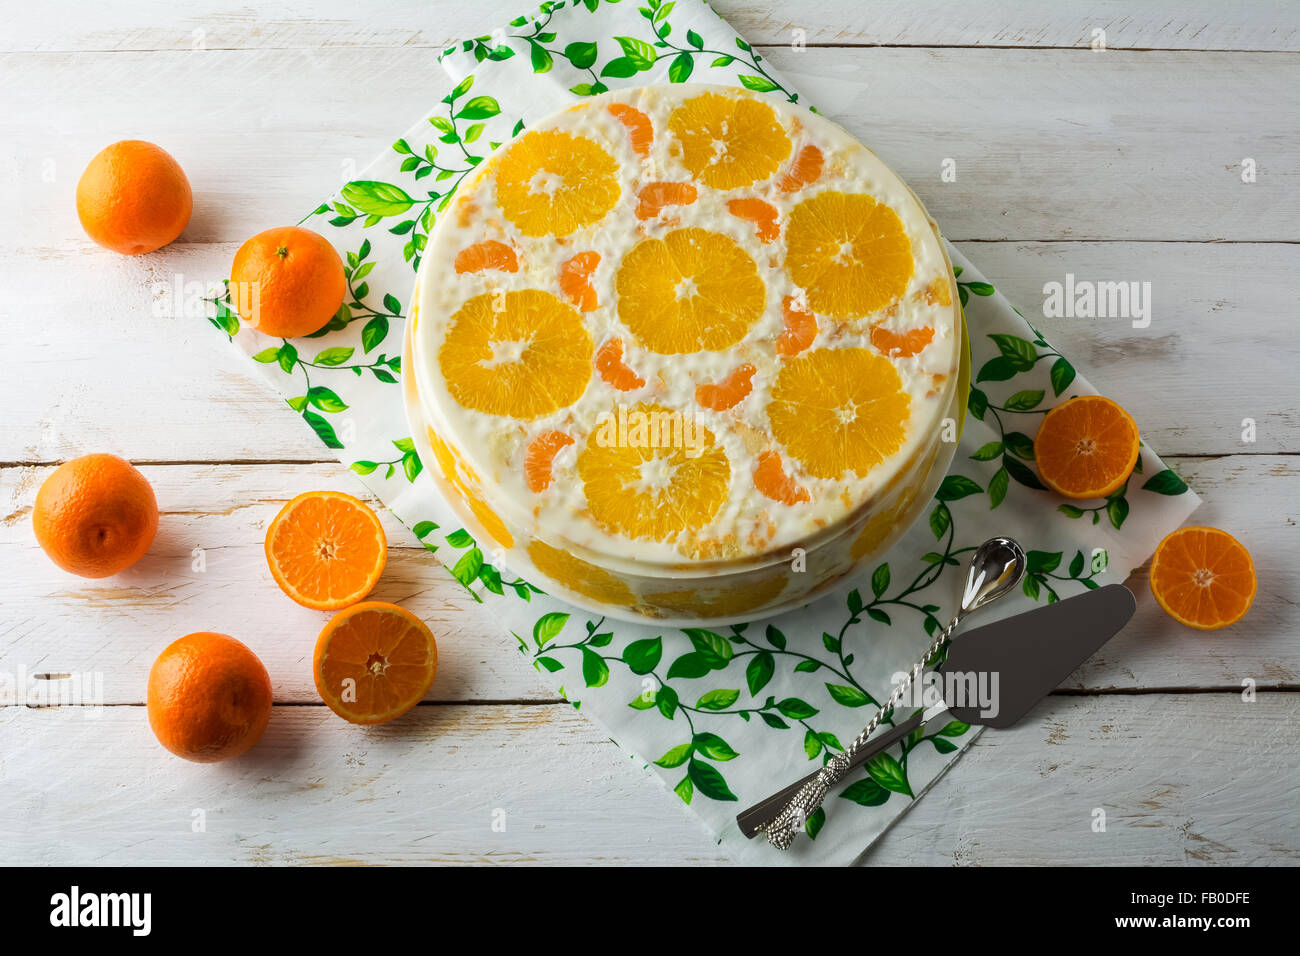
[[741, 711]]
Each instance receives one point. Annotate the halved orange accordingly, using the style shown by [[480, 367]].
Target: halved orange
[[1203, 577], [1086, 447], [326, 550], [374, 662]]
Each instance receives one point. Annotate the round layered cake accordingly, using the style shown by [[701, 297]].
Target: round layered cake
[[685, 352]]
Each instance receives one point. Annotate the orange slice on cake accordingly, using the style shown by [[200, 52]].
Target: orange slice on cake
[[691, 290], [849, 252], [527, 360]]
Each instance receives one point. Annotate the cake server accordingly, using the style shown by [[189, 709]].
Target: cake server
[[995, 568], [1022, 659]]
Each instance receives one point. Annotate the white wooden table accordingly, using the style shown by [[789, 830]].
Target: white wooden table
[[1122, 164]]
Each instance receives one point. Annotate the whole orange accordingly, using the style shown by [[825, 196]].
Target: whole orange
[[287, 282], [95, 515], [134, 198], [209, 697]]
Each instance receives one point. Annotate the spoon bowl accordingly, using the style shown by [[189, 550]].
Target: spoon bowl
[[996, 567]]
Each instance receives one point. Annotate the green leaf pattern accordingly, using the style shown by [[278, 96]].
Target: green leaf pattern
[[724, 715]]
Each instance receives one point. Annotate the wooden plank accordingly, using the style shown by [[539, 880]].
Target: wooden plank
[[1182, 779], [61, 25], [1071, 144], [105, 372], [1222, 325], [55, 622], [1048, 144], [1167, 769], [82, 790], [1255, 498]]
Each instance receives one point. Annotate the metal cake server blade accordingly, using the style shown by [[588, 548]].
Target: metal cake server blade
[[1027, 655], [1030, 654]]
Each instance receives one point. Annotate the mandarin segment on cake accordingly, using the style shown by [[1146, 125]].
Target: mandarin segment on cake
[[682, 326]]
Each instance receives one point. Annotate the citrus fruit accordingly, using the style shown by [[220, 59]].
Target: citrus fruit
[[728, 142], [1203, 577], [326, 550], [849, 252], [488, 254], [936, 293], [800, 328], [762, 214], [528, 360], [374, 662], [450, 465], [1086, 447], [804, 171], [838, 410], [689, 291], [640, 132], [539, 457], [654, 489], [728, 393], [133, 198], [209, 697], [95, 515], [613, 371], [581, 577], [882, 524], [770, 479], [287, 282], [552, 183], [683, 293], [575, 280], [901, 344], [654, 197], [720, 602]]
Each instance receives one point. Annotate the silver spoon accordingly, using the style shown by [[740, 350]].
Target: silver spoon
[[995, 568]]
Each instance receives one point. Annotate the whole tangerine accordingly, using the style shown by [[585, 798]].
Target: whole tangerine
[[134, 198], [95, 515], [287, 282], [209, 697]]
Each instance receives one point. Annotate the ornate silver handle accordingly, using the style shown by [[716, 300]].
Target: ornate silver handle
[[782, 828], [995, 568]]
